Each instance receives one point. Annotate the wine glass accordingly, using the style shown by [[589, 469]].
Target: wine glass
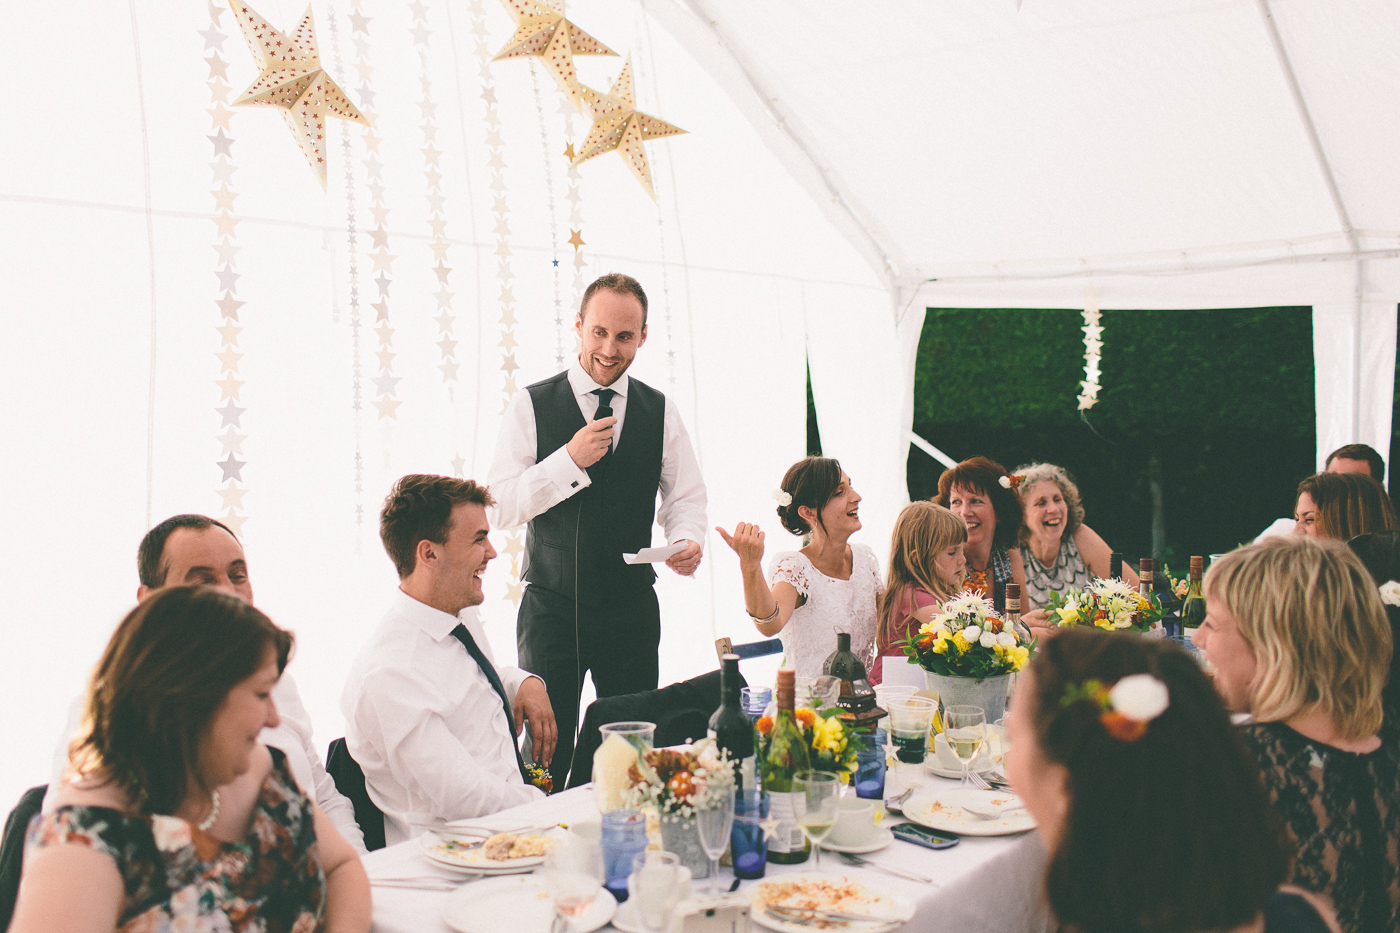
[[814, 799], [965, 728], [655, 887], [573, 874], [714, 821]]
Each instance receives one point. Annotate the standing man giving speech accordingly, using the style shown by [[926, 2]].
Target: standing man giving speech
[[582, 457]]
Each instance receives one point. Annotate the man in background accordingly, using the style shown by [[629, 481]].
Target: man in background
[[1356, 458]]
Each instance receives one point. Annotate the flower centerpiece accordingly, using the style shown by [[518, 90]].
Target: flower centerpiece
[[830, 745], [969, 654], [676, 783], [1108, 604]]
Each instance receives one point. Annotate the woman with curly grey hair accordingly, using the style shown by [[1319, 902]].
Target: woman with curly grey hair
[[1058, 550]]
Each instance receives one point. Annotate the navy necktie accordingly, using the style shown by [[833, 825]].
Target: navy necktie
[[465, 637], [605, 397]]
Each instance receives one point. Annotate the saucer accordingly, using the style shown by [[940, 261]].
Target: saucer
[[881, 838]]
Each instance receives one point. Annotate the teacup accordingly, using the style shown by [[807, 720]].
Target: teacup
[[949, 761], [855, 822]]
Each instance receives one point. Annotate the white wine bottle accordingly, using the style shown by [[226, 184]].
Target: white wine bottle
[[787, 754]]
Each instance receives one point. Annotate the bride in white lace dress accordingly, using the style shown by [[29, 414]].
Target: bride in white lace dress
[[827, 587]]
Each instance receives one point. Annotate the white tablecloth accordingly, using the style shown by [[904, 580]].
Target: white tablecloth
[[992, 884]]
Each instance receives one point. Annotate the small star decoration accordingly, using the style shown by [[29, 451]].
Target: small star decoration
[[293, 81], [618, 125]]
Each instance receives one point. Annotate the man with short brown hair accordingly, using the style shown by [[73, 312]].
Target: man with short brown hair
[[1356, 458], [430, 719], [583, 458]]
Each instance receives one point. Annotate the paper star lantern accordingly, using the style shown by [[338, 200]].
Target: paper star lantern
[[293, 81], [618, 125], [542, 32]]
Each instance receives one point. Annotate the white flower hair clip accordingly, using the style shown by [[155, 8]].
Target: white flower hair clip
[[1011, 481], [1126, 708], [1390, 593], [782, 497]]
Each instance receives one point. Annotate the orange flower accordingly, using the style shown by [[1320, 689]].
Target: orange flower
[[806, 717], [764, 725], [682, 785], [1121, 727]]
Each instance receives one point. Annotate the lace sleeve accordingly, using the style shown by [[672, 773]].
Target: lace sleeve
[[791, 568]]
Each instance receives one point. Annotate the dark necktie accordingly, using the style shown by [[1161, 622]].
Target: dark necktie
[[465, 637], [605, 397]]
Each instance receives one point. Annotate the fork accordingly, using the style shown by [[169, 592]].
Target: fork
[[851, 859], [978, 780]]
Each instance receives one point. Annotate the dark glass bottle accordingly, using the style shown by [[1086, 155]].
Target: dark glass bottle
[[1193, 609], [1115, 566], [730, 726], [787, 755]]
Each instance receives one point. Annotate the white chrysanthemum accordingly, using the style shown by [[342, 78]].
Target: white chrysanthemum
[[1140, 697], [965, 603], [1111, 588], [1390, 593], [988, 639], [972, 632], [1006, 640]]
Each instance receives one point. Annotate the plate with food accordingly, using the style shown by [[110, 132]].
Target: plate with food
[[503, 853], [941, 808], [801, 902], [519, 904]]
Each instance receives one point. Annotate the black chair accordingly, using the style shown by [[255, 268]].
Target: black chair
[[350, 781], [681, 712], [12, 849]]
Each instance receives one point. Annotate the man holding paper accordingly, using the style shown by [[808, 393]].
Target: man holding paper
[[582, 457]]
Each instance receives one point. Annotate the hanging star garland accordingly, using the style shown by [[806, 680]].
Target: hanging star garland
[[293, 81], [618, 125], [542, 32]]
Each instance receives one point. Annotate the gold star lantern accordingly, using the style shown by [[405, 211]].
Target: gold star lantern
[[293, 81], [542, 32], [618, 125]]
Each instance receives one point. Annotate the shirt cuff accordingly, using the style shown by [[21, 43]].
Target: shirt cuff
[[567, 476], [686, 534]]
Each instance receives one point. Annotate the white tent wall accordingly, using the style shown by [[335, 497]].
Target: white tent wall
[[732, 254]]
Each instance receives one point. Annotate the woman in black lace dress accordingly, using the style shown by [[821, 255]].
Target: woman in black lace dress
[[1300, 641]]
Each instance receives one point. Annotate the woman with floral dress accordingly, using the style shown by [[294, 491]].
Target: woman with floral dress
[[177, 818]]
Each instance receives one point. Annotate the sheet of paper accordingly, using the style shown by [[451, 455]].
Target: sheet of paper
[[654, 555]]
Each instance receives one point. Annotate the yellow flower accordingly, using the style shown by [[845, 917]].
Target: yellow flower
[[829, 736], [940, 646], [1020, 654], [960, 642], [1068, 616], [1105, 622]]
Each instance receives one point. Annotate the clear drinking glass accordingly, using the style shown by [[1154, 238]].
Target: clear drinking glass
[[965, 728], [621, 747], [814, 799], [655, 887], [714, 821], [572, 874], [910, 718]]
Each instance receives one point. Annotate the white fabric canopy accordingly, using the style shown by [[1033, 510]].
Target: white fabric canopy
[[847, 165]]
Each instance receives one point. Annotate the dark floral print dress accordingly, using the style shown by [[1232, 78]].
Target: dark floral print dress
[[177, 877], [1342, 811]]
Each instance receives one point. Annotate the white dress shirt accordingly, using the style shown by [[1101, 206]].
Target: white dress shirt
[[523, 488], [293, 738], [425, 724]]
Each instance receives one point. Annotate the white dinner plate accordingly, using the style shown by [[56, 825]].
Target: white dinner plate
[[457, 856], [519, 904], [879, 839], [932, 766], [941, 808], [892, 909]]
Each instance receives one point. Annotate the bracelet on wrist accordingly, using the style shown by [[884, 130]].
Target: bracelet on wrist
[[771, 616]]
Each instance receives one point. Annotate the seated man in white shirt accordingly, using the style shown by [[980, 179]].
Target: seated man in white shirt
[[429, 718], [196, 549]]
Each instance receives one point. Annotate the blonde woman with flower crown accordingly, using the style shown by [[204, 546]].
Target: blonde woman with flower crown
[[926, 570], [829, 585]]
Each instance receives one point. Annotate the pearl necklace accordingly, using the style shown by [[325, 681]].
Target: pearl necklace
[[208, 821]]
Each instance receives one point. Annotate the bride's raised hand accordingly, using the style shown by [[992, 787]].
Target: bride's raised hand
[[746, 541]]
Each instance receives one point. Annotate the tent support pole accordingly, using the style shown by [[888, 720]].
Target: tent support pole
[[1305, 115]]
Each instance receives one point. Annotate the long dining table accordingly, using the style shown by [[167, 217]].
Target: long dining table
[[991, 883]]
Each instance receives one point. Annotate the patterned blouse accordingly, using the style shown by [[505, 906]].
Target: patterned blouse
[[991, 582], [1342, 811], [178, 877], [1069, 570]]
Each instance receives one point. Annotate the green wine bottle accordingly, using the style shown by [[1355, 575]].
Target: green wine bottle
[[1193, 609], [787, 754]]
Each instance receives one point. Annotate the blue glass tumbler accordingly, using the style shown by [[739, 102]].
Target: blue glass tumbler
[[870, 766], [623, 838], [748, 845]]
